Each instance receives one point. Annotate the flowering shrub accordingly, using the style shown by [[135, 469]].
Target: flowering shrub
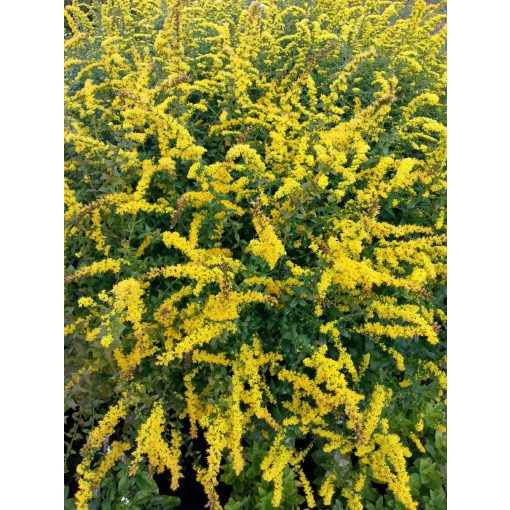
[[255, 253]]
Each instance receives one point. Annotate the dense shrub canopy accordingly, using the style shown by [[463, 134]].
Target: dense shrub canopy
[[255, 253]]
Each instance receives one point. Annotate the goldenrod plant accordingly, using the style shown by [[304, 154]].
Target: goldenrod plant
[[255, 249]]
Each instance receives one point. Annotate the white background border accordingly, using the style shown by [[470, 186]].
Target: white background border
[[31, 251], [478, 254]]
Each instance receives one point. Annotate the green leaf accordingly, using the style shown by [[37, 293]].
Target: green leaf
[[168, 501]]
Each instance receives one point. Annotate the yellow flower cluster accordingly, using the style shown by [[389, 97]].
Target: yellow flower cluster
[[414, 438], [106, 426], [274, 464], [197, 337], [267, 246], [225, 429], [418, 319], [310, 500], [223, 307], [217, 440], [327, 489], [128, 301], [371, 417], [91, 479], [100, 267], [388, 464], [160, 455]]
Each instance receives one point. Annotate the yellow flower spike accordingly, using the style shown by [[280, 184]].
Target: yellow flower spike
[[223, 307], [268, 246], [353, 499], [107, 340], [217, 440], [307, 489], [365, 362], [431, 368], [237, 421], [371, 417], [89, 480], [143, 246], [414, 438], [100, 267], [201, 357], [159, 454], [106, 426], [388, 463], [360, 482], [323, 181], [128, 300], [327, 489], [288, 188], [273, 466], [197, 338], [86, 302], [418, 321], [193, 408]]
